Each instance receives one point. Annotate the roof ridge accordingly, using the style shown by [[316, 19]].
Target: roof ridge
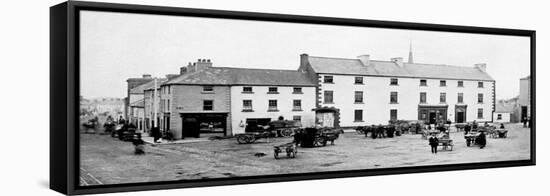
[[259, 69], [341, 58]]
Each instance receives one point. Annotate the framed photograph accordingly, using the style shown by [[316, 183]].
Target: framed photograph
[[147, 97]]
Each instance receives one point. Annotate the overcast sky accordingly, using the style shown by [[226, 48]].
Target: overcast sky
[[117, 46]]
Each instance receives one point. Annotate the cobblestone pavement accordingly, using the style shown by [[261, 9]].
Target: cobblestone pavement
[[106, 160]]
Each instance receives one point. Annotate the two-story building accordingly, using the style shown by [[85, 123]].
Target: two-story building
[[361, 91], [208, 100]]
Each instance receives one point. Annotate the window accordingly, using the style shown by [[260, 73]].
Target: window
[[297, 105], [460, 98], [247, 105], [272, 90], [168, 88], [272, 105], [208, 105], [297, 90], [442, 83], [423, 97], [328, 79], [297, 118], [480, 113], [480, 98], [442, 97], [499, 116], [328, 97], [358, 115], [423, 83], [208, 89], [393, 114], [168, 105], [480, 84], [393, 81], [358, 96], [358, 80], [247, 89], [393, 97], [460, 83]]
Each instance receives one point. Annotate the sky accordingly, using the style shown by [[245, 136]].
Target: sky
[[117, 46]]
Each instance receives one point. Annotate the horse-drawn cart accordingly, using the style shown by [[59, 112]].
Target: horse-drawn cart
[[312, 137]]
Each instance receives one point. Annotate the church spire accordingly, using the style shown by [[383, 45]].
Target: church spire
[[410, 53]]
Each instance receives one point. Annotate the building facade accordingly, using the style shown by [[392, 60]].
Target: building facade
[[524, 98], [358, 92]]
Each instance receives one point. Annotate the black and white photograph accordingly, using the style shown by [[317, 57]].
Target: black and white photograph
[[182, 98]]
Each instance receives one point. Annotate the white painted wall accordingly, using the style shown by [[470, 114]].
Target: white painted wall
[[376, 98], [505, 117], [260, 105]]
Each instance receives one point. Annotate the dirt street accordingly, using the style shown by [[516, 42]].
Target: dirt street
[[106, 160]]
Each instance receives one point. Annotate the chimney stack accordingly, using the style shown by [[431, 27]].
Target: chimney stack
[[365, 59], [146, 76], [202, 64], [183, 70], [481, 66], [398, 61]]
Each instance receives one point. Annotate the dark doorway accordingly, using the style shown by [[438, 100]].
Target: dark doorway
[[432, 118], [460, 114], [190, 127], [523, 112]]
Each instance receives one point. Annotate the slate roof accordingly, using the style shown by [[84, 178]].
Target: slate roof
[[138, 103], [502, 107], [147, 86], [391, 69], [244, 76]]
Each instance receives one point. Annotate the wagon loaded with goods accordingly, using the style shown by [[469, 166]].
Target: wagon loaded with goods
[[312, 137], [475, 137], [281, 128], [248, 138]]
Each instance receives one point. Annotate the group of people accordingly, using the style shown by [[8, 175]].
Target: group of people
[[526, 121]]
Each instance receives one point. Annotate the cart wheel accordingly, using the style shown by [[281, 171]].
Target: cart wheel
[[249, 139], [241, 139], [276, 155], [287, 132]]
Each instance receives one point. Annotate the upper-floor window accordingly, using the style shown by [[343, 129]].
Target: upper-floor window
[[247, 105], [423, 97], [208, 89], [460, 83], [272, 105], [423, 82], [297, 118], [499, 116], [297, 105], [297, 90], [480, 98], [247, 89], [480, 84], [393, 81], [393, 97], [208, 105], [328, 79], [358, 96], [442, 97], [272, 90], [460, 98], [359, 80], [168, 105], [442, 83], [328, 97]]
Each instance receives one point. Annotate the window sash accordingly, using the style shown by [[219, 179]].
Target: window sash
[[358, 115], [423, 97], [394, 81], [328, 79], [297, 90], [328, 97], [393, 97], [358, 96], [297, 104], [358, 80], [208, 105], [247, 104]]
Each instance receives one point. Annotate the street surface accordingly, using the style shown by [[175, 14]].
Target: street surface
[[106, 160]]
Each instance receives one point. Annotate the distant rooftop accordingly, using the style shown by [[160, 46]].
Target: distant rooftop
[[331, 65]]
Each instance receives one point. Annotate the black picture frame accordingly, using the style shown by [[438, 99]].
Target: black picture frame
[[64, 95]]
